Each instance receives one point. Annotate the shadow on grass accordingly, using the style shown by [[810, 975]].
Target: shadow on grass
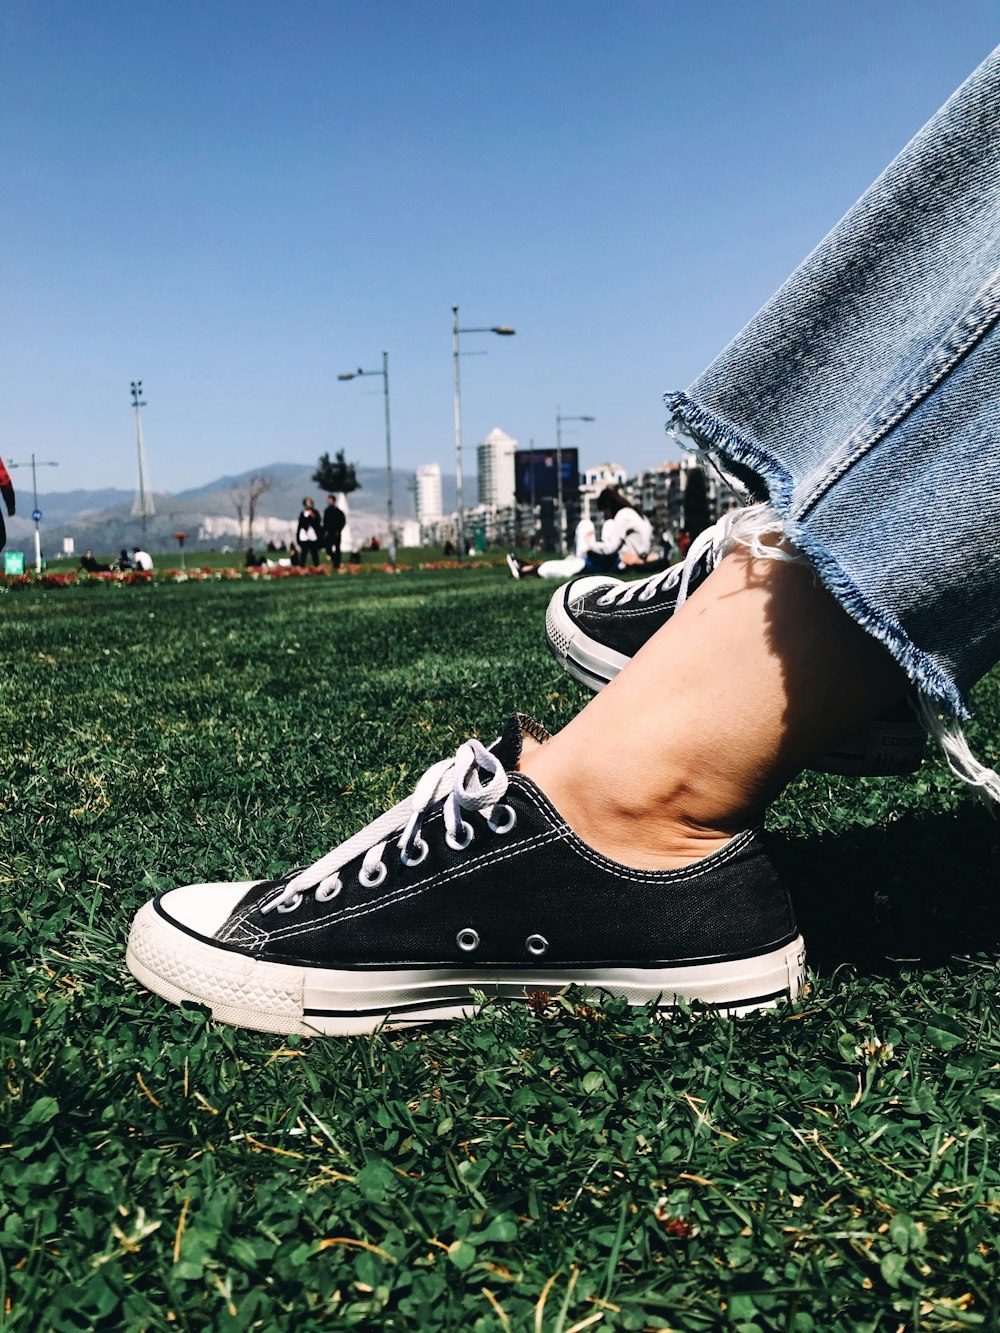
[[923, 888]]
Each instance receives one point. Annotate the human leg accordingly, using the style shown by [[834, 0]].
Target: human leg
[[758, 671], [596, 562], [861, 403], [567, 568], [595, 626]]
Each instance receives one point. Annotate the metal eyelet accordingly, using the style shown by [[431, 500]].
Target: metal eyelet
[[460, 843], [537, 945], [371, 879], [509, 822], [292, 904], [647, 594], [414, 858], [328, 888], [467, 940]]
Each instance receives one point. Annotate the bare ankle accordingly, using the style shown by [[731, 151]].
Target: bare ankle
[[620, 824]]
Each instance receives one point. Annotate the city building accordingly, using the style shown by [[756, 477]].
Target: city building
[[659, 494], [596, 479], [495, 457], [427, 496], [409, 532]]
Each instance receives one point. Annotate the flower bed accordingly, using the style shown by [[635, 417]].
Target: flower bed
[[230, 573]]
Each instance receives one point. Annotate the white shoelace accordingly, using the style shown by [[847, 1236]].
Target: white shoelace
[[711, 544], [474, 779]]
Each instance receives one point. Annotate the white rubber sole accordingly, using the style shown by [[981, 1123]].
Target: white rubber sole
[[591, 663], [281, 998]]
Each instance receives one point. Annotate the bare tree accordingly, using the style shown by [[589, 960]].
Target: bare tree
[[238, 496], [258, 485], [246, 497]]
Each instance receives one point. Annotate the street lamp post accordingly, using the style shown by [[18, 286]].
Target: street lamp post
[[36, 513], [505, 332], [559, 486], [390, 518]]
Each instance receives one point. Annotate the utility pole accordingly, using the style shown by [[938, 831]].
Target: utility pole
[[36, 513], [142, 505], [389, 511], [505, 331], [559, 482]]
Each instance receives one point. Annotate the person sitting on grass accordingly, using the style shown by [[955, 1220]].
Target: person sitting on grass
[[91, 565], [859, 409], [626, 536]]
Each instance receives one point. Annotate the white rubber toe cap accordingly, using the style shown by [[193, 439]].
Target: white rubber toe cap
[[204, 907]]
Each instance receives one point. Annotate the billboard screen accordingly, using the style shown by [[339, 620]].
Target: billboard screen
[[536, 479]]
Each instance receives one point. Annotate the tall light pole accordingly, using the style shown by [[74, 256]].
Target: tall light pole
[[142, 504], [562, 513], [505, 332], [36, 513], [384, 372]]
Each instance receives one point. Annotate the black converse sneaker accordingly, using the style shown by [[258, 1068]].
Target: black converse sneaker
[[474, 884], [595, 626]]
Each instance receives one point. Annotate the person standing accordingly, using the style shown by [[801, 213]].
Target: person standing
[[333, 528], [307, 532], [7, 491]]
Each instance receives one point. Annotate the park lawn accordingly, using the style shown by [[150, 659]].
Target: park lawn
[[833, 1167]]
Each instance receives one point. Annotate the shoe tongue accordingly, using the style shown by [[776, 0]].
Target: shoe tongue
[[509, 746]]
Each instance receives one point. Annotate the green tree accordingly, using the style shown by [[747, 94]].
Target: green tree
[[336, 474]]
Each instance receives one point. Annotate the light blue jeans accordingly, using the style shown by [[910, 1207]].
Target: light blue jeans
[[863, 401]]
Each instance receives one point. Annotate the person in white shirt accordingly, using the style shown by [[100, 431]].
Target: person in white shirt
[[626, 533], [142, 559], [625, 540]]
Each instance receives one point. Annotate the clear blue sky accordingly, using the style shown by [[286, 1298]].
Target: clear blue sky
[[235, 201]]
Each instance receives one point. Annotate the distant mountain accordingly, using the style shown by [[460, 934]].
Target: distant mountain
[[102, 519], [280, 471], [63, 506]]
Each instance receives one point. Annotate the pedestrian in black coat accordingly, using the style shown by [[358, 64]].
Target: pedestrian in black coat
[[308, 531], [333, 527]]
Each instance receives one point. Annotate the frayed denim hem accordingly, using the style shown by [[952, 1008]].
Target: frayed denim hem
[[698, 429], [702, 430], [921, 668]]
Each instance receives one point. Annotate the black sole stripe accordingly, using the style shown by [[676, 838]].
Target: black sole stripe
[[419, 1006], [569, 969]]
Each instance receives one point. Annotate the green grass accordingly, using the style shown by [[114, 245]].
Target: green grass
[[830, 1169]]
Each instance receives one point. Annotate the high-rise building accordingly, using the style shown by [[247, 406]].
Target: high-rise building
[[496, 469], [428, 493]]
